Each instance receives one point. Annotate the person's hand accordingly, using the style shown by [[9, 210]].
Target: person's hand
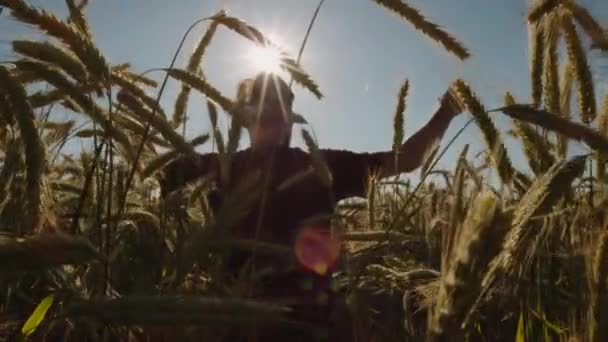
[[451, 105]]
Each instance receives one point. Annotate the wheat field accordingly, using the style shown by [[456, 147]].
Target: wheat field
[[90, 252]]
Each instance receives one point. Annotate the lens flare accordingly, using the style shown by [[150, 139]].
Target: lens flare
[[265, 59], [317, 250]]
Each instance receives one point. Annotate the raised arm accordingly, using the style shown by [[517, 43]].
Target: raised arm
[[412, 152]]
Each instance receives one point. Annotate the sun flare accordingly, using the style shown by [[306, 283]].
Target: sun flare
[[264, 59]]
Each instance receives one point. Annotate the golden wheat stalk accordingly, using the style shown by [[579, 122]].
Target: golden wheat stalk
[[491, 135], [541, 8], [288, 63], [572, 130], [551, 62], [128, 82], [512, 262], [89, 133], [371, 202], [582, 72], [12, 156], [47, 52], [432, 30], [599, 291], [472, 251], [181, 103], [78, 18], [88, 53], [537, 52], [203, 86], [137, 78], [536, 148], [35, 153], [297, 73], [58, 131], [158, 122], [125, 121], [603, 119], [398, 120], [159, 162], [236, 204], [234, 136], [43, 99], [595, 31], [456, 211], [86, 103], [565, 105], [602, 127]]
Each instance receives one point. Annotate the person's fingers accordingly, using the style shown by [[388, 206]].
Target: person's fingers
[[451, 102]]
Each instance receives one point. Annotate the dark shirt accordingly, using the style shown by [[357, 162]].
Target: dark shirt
[[290, 209]]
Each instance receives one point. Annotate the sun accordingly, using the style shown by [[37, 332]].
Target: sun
[[264, 59]]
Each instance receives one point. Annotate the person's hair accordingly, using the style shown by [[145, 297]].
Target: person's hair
[[267, 90], [264, 91]]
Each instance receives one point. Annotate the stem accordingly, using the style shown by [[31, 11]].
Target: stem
[[312, 21], [149, 123]]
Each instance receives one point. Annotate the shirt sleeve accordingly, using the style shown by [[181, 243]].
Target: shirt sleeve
[[187, 169], [350, 171]]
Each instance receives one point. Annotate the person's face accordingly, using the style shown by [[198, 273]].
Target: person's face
[[270, 130]]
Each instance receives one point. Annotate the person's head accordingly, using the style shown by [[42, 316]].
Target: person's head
[[269, 101]]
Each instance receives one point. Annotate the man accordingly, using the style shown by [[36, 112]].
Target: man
[[298, 215]]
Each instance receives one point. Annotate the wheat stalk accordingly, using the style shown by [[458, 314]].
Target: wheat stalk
[[35, 153], [79, 44], [137, 78], [203, 86], [492, 137], [159, 162], [77, 17], [472, 251], [542, 8], [556, 123], [594, 30], [537, 52], [298, 74], [432, 30], [565, 105], [602, 127], [158, 122], [10, 164], [599, 291], [511, 263], [456, 211], [47, 52], [86, 104], [256, 36], [136, 127], [536, 148], [127, 82], [551, 71], [603, 119], [58, 131], [194, 62], [582, 73], [398, 121]]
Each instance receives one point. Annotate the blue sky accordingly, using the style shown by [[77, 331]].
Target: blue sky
[[358, 52]]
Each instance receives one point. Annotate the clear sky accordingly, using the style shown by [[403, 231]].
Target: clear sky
[[358, 52]]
